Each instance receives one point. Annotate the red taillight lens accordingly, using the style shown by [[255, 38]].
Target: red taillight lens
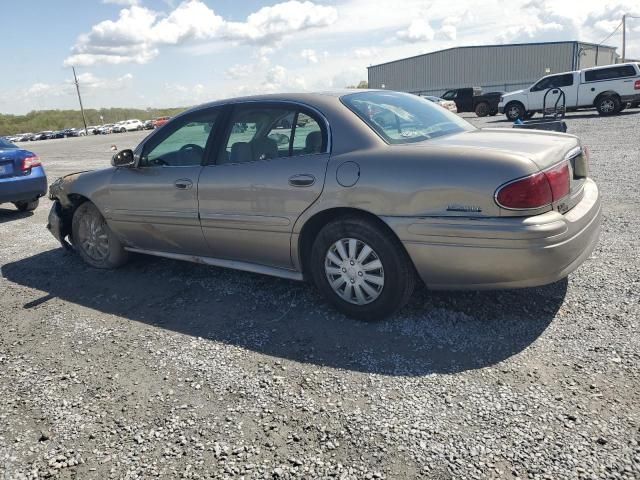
[[537, 190], [530, 192], [636, 85], [558, 178], [30, 162]]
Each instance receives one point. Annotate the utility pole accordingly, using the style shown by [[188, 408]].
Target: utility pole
[[624, 36], [84, 120]]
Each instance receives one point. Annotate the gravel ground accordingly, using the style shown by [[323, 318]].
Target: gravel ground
[[173, 370]]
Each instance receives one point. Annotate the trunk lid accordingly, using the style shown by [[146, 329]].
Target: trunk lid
[[11, 161], [541, 147]]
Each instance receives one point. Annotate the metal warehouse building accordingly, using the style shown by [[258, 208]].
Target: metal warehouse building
[[492, 67]]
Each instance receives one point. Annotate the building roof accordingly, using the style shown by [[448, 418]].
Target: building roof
[[494, 46]]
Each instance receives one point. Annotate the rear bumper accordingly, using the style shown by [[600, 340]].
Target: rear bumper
[[464, 253], [630, 98], [29, 187]]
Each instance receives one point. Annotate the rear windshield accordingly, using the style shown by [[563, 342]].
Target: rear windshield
[[6, 144], [401, 118]]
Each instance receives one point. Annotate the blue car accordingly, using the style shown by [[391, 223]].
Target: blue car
[[22, 177]]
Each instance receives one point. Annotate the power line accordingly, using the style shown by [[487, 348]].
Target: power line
[[610, 35]]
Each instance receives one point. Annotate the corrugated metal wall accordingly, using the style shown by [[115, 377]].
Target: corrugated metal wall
[[503, 67]]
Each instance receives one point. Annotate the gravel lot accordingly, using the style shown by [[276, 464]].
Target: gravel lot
[[174, 370]]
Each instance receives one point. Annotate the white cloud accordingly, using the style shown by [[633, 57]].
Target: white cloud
[[236, 72], [366, 52], [122, 2], [418, 31], [309, 55], [139, 32], [272, 23], [542, 24]]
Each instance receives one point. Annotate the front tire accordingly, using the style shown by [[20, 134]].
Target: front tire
[[28, 206], [93, 239], [514, 111], [363, 271]]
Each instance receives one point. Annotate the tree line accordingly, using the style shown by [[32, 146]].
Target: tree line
[[37, 121]]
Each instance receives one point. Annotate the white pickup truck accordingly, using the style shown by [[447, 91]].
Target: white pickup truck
[[609, 89]]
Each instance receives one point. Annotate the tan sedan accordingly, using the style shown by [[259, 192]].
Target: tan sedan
[[362, 193]]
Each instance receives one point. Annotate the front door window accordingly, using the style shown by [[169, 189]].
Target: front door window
[[183, 143]]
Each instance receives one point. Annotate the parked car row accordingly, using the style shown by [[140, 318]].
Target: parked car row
[[132, 125]]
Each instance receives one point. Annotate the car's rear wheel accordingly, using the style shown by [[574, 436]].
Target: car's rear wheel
[[94, 240], [360, 269], [608, 105], [482, 109], [27, 206]]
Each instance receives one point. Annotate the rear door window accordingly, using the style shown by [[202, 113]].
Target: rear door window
[[609, 73], [266, 132]]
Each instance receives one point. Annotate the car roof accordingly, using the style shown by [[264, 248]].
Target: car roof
[[302, 97]]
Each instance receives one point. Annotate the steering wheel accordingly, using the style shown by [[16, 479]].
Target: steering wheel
[[158, 161], [192, 146]]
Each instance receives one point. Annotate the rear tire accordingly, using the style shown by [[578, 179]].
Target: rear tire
[[93, 239], [482, 109], [514, 111], [366, 286], [608, 105], [27, 206]]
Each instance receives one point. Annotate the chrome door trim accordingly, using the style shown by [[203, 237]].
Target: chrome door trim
[[219, 262], [237, 220]]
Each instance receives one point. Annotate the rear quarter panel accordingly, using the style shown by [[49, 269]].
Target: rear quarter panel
[[425, 181]]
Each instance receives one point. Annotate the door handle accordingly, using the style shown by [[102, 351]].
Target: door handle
[[302, 180], [183, 184]]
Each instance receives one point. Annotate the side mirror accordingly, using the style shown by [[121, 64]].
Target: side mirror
[[124, 158]]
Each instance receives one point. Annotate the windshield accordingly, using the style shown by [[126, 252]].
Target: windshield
[[404, 118], [4, 144]]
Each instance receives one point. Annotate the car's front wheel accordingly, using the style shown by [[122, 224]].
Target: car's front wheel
[[361, 269], [94, 240], [27, 206], [514, 111]]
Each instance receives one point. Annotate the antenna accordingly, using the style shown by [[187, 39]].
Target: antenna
[[75, 80]]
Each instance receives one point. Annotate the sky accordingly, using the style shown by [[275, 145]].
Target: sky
[[165, 53]]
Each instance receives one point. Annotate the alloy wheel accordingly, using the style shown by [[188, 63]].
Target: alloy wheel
[[608, 106]]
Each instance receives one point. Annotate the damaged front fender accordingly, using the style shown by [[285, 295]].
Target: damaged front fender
[[61, 213]]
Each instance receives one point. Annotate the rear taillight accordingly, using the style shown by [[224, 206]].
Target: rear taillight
[[537, 190], [636, 85], [559, 179], [30, 162]]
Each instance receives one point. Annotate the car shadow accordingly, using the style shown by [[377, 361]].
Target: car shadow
[[11, 214], [436, 333]]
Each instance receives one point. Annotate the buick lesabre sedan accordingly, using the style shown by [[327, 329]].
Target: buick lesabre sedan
[[362, 193]]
